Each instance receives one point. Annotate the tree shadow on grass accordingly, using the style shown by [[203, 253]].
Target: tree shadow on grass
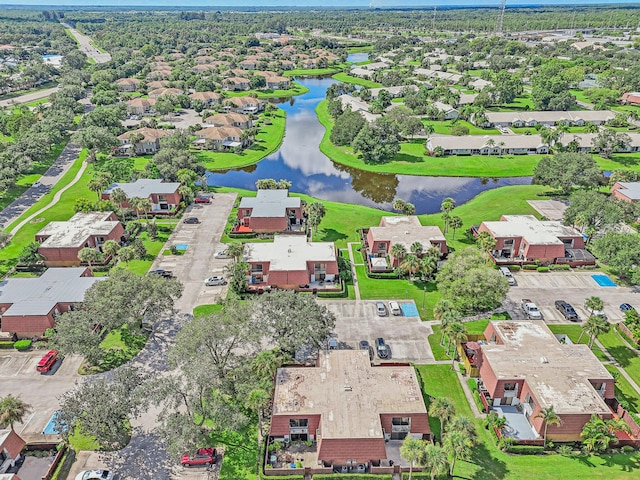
[[407, 158], [625, 161], [626, 463], [489, 467], [331, 235]]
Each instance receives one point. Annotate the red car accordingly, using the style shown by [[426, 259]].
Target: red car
[[46, 362], [203, 199], [203, 456]]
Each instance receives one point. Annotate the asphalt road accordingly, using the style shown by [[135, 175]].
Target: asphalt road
[[86, 47], [29, 97]]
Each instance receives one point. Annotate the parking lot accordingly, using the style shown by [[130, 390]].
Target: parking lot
[[18, 376], [573, 287], [357, 320], [197, 262]]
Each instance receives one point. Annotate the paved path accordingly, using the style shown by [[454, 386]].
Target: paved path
[[85, 46], [28, 97], [356, 288], [55, 172], [55, 200]]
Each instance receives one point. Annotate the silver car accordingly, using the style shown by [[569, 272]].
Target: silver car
[[214, 281]]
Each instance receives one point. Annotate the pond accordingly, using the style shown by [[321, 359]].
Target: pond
[[300, 161], [358, 57]]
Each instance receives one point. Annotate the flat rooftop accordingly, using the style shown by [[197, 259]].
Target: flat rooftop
[[270, 203], [406, 230], [534, 231], [77, 230], [290, 252], [38, 296], [630, 190], [557, 374], [348, 393], [144, 187]]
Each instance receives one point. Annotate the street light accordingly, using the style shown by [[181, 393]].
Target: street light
[[424, 294]]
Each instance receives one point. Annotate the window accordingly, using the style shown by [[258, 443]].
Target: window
[[320, 267], [508, 243], [382, 247], [509, 387], [298, 422], [162, 198], [256, 268], [247, 212], [406, 421], [530, 401]]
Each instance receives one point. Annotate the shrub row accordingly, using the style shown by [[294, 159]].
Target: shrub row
[[526, 449], [529, 267], [242, 235], [6, 345], [381, 275], [22, 345], [416, 475], [282, 477], [559, 266], [543, 269], [352, 476]]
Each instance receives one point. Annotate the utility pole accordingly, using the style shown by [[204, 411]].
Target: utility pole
[[503, 4], [433, 20]]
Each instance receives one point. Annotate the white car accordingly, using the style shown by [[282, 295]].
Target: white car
[[215, 280], [596, 313], [220, 254], [95, 475]]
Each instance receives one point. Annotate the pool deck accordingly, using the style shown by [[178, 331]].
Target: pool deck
[[517, 424]]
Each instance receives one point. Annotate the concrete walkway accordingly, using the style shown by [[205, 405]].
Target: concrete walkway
[[55, 200], [46, 182], [356, 289], [28, 97]]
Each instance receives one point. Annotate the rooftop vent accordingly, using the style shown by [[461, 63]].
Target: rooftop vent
[[544, 360], [347, 388]]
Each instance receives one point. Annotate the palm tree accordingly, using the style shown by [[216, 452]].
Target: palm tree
[[490, 144], [410, 265], [398, 204], [549, 417], [456, 335], [447, 205], [597, 433], [140, 205], [501, 145], [457, 446], [110, 248], [455, 222], [118, 197], [428, 266], [594, 304], [443, 409], [398, 252], [435, 460], [411, 450], [417, 248], [463, 423], [12, 410], [235, 250], [594, 326]]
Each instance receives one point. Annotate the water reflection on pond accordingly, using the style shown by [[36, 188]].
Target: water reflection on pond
[[311, 172]]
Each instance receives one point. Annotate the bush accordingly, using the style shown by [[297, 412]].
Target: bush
[[529, 267], [525, 449], [514, 268], [627, 449], [543, 269], [473, 384], [6, 345], [22, 345], [382, 276], [559, 266], [463, 371]]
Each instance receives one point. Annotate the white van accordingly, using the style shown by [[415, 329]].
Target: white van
[[395, 308], [509, 276]]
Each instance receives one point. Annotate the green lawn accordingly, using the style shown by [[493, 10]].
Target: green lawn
[[79, 441], [573, 332], [488, 463], [346, 78], [120, 346], [624, 391], [476, 327], [266, 142], [301, 72], [204, 310], [296, 89], [626, 357], [142, 266], [443, 127], [401, 289]]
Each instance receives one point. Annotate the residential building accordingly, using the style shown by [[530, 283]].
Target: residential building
[[437, 74], [11, 445], [631, 98], [547, 118], [141, 106], [394, 92], [236, 83], [287, 65], [249, 63], [270, 211], [204, 59], [349, 407], [626, 191], [291, 262], [446, 111], [222, 137], [163, 197], [208, 98], [157, 84], [229, 120], [361, 72], [277, 82], [150, 142], [403, 230], [30, 305], [358, 105], [158, 92], [524, 369], [525, 239], [128, 84], [245, 105], [60, 242], [487, 144], [480, 84]]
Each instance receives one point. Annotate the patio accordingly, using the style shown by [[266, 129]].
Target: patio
[[290, 454], [517, 427], [393, 453]]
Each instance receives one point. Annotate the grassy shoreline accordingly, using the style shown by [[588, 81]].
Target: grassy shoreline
[[412, 161]]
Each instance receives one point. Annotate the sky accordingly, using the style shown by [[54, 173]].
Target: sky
[[305, 3]]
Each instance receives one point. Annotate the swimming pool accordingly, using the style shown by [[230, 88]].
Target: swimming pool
[[50, 428], [603, 280], [182, 246]]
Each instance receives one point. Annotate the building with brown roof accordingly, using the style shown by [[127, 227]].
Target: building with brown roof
[[245, 105], [128, 84], [631, 98], [157, 84], [11, 445], [349, 407], [236, 83], [147, 141], [229, 120], [208, 98], [165, 91], [141, 106], [220, 137]]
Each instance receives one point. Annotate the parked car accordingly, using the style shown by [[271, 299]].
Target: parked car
[[382, 348], [395, 309], [332, 343], [191, 220], [381, 309], [625, 307], [530, 309], [597, 313], [215, 280], [364, 345], [47, 361], [162, 273], [95, 475], [220, 254], [508, 275], [202, 456], [567, 310], [203, 198]]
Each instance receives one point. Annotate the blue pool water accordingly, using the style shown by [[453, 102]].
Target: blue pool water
[[182, 246], [50, 429], [603, 280], [409, 310]]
